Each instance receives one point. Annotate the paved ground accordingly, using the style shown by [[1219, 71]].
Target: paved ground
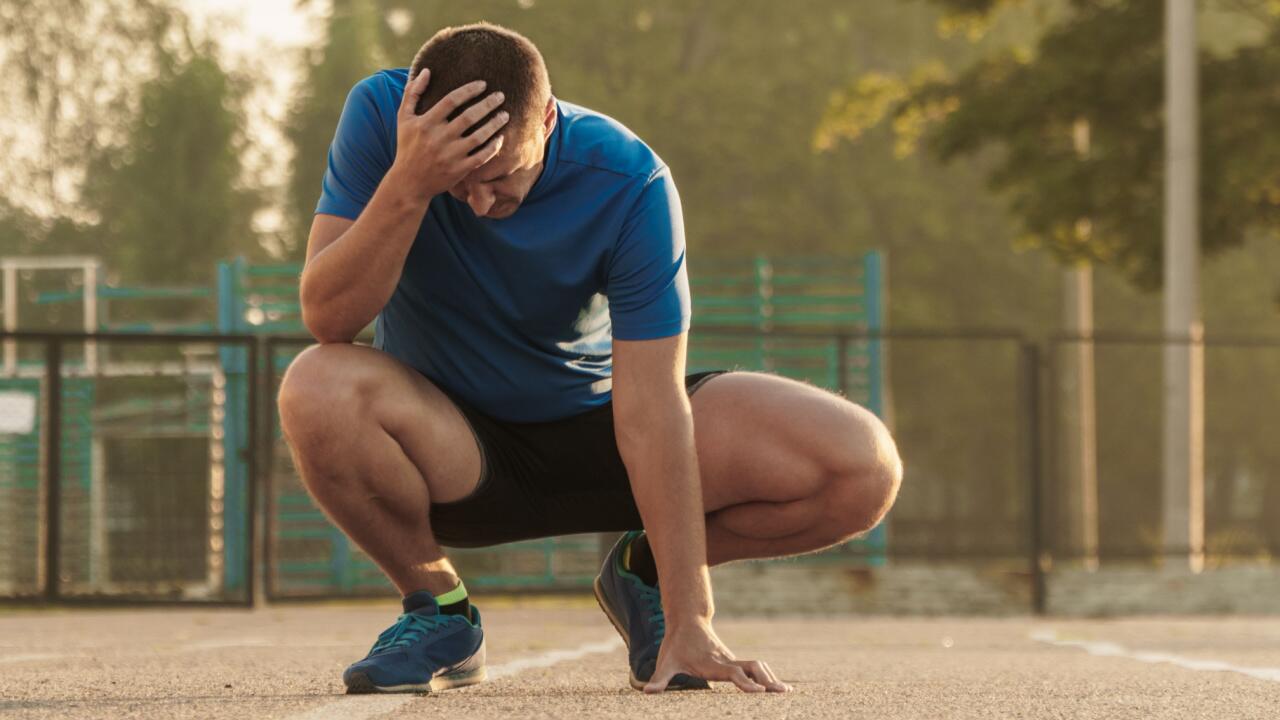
[[558, 659]]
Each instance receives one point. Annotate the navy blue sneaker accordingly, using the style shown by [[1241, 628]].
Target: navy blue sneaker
[[635, 609], [423, 652]]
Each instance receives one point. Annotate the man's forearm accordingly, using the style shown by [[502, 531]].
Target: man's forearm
[[345, 285], [662, 462]]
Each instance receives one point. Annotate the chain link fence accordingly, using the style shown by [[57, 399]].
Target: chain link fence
[[127, 467], [151, 468]]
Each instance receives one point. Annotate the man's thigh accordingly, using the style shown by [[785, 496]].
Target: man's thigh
[[765, 438], [334, 396]]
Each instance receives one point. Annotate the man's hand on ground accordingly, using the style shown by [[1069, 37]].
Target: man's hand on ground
[[695, 650], [432, 154]]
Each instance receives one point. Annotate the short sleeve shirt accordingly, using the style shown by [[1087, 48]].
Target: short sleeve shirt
[[517, 315]]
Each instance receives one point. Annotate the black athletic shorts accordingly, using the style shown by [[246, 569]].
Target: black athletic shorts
[[543, 479]]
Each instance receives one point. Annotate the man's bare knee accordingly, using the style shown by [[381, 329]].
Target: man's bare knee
[[338, 401], [864, 474], [321, 393]]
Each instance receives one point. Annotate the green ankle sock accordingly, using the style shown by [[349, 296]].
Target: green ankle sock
[[455, 602]]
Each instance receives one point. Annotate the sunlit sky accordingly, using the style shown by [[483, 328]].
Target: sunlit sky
[[276, 22]]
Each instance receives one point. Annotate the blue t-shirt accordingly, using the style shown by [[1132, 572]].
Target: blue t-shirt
[[517, 316]]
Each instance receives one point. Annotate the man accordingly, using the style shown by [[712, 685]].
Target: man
[[524, 260]]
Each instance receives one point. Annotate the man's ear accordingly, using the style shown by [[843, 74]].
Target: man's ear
[[549, 117]]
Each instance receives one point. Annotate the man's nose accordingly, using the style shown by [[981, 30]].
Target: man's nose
[[480, 199]]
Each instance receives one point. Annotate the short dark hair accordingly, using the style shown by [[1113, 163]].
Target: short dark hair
[[504, 59]]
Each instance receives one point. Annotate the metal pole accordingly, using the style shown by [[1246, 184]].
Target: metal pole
[[9, 274], [251, 449], [53, 470], [266, 470], [842, 365], [1036, 556], [1183, 448]]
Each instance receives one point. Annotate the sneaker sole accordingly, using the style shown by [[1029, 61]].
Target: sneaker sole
[[360, 684], [636, 683]]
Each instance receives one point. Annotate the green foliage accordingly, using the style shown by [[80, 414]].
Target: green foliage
[[169, 201], [69, 69], [1012, 117], [727, 93], [349, 52], [25, 233], [1101, 66], [128, 137]]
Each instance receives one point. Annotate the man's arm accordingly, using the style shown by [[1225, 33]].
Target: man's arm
[[352, 267], [654, 427]]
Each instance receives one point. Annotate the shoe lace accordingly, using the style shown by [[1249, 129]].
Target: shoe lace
[[408, 629], [651, 599]]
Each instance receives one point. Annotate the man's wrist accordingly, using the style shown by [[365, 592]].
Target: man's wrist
[[406, 192], [678, 621], [692, 608]]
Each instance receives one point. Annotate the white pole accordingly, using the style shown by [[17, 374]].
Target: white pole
[[91, 269], [1080, 454], [99, 554], [1080, 409], [1183, 496]]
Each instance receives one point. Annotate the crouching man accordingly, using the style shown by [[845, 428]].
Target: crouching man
[[524, 259]]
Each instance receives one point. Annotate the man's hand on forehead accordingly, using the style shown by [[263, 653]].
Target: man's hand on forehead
[[434, 149]]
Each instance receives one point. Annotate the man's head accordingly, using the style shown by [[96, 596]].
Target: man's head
[[507, 62]]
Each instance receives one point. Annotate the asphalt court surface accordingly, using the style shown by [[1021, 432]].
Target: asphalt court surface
[[561, 659]]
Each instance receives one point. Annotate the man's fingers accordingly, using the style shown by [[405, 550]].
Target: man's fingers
[[736, 673], [486, 131], [454, 100], [486, 153], [413, 90], [475, 113], [763, 674], [739, 677]]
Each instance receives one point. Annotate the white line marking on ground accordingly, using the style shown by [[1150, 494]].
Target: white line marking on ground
[[362, 707], [1109, 649], [497, 672]]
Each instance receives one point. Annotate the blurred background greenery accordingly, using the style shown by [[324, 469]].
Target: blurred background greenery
[[162, 136]]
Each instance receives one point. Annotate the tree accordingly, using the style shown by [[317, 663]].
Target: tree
[[169, 200], [73, 64], [349, 51], [1100, 64], [126, 137]]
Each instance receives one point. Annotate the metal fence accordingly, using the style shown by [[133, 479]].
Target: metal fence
[[139, 467], [1103, 460], [127, 467]]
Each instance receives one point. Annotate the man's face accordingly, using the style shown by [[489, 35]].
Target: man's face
[[496, 189]]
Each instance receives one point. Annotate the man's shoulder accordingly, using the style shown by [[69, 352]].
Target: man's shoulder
[[594, 140], [383, 89], [370, 111]]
